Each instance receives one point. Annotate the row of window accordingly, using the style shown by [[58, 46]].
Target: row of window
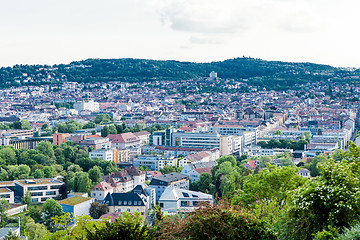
[[187, 203], [129, 203], [49, 193], [37, 199], [43, 188]]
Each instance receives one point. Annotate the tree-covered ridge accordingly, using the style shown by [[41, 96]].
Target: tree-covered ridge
[[255, 71]]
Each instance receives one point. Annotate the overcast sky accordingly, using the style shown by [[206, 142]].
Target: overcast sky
[[61, 31]]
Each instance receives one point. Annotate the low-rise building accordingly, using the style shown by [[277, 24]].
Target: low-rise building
[[155, 163], [175, 180], [100, 190], [40, 189], [175, 199], [7, 194], [134, 201], [76, 205], [105, 153], [194, 174]]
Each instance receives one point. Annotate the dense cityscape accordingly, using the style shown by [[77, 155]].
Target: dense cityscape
[[160, 153]]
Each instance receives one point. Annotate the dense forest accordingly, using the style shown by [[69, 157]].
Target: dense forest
[[256, 72]]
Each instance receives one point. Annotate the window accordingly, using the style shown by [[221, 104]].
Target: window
[[135, 202], [94, 194], [185, 203], [50, 193], [36, 194], [38, 188], [128, 209], [125, 202], [161, 205], [129, 203]]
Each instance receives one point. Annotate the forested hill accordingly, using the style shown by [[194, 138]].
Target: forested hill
[[133, 70]]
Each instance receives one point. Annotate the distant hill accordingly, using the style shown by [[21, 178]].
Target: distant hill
[[255, 71]]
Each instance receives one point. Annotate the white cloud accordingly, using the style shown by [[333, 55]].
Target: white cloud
[[237, 16]]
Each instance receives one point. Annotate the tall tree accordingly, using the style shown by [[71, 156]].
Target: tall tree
[[50, 209], [4, 205], [105, 131], [95, 175], [97, 210]]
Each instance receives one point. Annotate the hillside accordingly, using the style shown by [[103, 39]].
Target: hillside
[[271, 74]]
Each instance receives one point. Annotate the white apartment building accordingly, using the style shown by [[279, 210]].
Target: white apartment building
[[88, 105], [105, 153], [176, 199], [203, 140], [155, 163]]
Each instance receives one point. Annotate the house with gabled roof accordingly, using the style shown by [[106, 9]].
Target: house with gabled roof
[[134, 201], [126, 179], [100, 190], [194, 174]]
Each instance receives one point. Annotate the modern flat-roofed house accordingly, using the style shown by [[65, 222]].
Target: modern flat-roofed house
[[7, 194], [77, 205], [40, 189], [174, 199], [175, 180]]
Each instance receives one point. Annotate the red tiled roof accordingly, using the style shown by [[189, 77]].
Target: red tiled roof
[[93, 136], [113, 216], [102, 186], [203, 170], [142, 133], [252, 163], [154, 173], [123, 138]]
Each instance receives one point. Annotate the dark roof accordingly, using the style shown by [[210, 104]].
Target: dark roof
[[168, 178], [118, 199], [127, 174], [204, 164], [140, 189]]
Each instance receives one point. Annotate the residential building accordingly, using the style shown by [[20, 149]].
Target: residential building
[[175, 199], [154, 163], [100, 190], [194, 174], [126, 179], [304, 172], [175, 180], [95, 142], [105, 153], [137, 200], [88, 105]]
